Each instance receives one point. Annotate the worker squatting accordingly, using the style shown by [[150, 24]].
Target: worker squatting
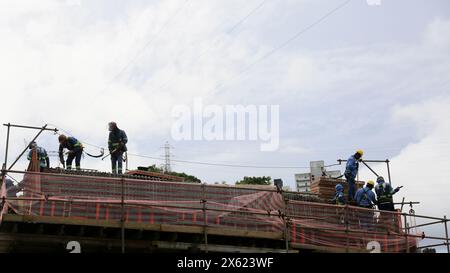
[[364, 197], [117, 141]]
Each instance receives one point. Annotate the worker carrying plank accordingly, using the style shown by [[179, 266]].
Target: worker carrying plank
[[117, 146], [41, 153], [351, 171], [75, 151]]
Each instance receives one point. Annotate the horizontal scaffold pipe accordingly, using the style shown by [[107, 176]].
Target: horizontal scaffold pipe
[[146, 181], [133, 203]]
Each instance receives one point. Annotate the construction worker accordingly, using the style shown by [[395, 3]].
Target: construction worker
[[384, 193], [42, 156], [365, 198], [351, 171], [339, 198], [117, 146], [75, 151]]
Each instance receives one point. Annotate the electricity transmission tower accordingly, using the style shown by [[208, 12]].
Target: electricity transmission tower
[[167, 155]]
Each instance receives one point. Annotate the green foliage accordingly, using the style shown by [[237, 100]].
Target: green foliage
[[187, 178], [151, 168], [263, 180]]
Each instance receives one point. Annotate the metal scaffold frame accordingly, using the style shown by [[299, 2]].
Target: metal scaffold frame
[[286, 218], [293, 225]]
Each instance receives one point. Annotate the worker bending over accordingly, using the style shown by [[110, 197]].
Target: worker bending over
[[351, 171], [41, 153], [117, 146], [75, 151]]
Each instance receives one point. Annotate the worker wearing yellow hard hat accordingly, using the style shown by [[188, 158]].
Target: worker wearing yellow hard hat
[[351, 171], [365, 197]]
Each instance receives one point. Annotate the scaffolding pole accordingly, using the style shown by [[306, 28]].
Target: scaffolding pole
[[42, 129], [122, 218], [389, 171], [406, 233], [446, 233], [205, 223], [6, 156], [287, 235]]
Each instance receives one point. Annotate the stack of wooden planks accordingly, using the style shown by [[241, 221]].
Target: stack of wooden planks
[[324, 187]]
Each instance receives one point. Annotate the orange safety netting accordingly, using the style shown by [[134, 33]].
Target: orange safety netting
[[224, 207]]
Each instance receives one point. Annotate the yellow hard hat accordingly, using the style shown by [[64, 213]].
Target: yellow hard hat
[[361, 152], [370, 182]]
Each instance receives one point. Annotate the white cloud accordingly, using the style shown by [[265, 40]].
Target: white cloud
[[422, 167]]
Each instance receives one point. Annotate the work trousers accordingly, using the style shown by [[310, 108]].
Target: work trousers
[[351, 187], [71, 157], [116, 162]]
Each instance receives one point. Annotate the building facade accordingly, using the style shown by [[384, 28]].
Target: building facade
[[317, 169]]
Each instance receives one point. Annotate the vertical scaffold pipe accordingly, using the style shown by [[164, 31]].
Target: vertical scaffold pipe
[[205, 222], [122, 217], [287, 235], [346, 229], [446, 234], [7, 145], [406, 233], [389, 171]]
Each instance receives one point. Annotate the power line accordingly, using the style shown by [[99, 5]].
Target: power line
[[70, 134], [167, 159], [150, 42], [285, 43], [218, 39], [219, 164], [240, 22]]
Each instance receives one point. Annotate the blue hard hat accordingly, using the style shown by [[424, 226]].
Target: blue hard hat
[[380, 179], [339, 187]]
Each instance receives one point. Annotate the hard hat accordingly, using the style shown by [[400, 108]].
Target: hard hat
[[62, 138], [380, 179], [339, 187], [370, 182], [361, 152]]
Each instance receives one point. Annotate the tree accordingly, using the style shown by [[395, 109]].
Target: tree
[[151, 168], [187, 178], [263, 180]]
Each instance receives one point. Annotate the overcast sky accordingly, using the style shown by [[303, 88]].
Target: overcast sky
[[375, 77]]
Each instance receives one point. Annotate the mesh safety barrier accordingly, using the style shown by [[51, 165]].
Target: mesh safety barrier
[[347, 227], [223, 207]]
